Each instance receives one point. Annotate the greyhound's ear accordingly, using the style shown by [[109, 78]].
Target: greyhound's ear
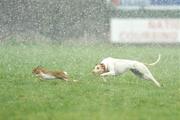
[[102, 65]]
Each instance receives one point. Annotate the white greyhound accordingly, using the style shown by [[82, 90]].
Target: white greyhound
[[113, 66]]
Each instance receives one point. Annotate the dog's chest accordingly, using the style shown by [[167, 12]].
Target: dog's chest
[[47, 76]]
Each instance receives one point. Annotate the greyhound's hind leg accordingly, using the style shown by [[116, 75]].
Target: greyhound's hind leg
[[136, 72], [150, 77]]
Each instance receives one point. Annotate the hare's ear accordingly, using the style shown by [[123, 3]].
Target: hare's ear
[[39, 66]]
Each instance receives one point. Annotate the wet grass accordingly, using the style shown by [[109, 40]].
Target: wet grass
[[24, 97]]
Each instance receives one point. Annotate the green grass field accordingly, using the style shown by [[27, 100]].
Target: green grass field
[[24, 97]]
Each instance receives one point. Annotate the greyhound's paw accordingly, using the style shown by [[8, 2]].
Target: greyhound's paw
[[101, 75]]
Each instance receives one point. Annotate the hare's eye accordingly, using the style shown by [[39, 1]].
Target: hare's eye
[[98, 68]]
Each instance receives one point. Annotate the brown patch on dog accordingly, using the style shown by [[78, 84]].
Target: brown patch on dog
[[99, 69], [103, 67]]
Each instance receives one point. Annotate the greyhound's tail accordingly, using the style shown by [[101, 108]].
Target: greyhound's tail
[[154, 63]]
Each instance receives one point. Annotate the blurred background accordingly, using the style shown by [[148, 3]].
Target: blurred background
[[75, 35], [60, 20]]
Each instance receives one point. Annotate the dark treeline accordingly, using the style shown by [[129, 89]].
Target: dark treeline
[[56, 19], [65, 19]]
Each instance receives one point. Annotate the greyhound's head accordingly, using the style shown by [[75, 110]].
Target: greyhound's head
[[99, 69]]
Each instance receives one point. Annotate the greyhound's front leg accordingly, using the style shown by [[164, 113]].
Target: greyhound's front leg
[[107, 74]]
